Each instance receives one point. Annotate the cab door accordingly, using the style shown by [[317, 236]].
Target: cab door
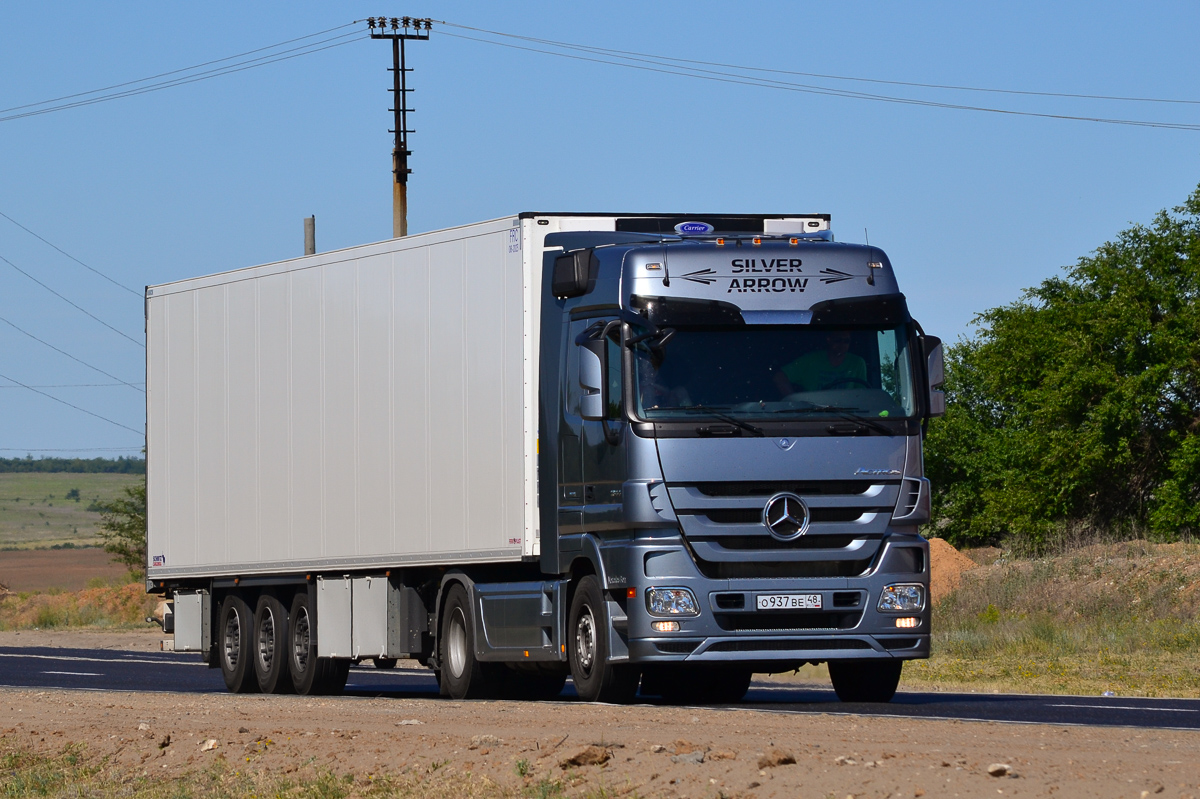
[[602, 442], [570, 429]]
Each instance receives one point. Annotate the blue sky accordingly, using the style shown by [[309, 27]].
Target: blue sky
[[971, 207]]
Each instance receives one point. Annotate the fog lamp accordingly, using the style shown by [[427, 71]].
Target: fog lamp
[[671, 602], [907, 621], [902, 597], [664, 626]]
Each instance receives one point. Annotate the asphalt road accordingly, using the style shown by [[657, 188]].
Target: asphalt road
[[108, 670]]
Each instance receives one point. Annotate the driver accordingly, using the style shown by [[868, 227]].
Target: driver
[[833, 367]]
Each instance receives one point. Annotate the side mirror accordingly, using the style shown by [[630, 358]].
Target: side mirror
[[935, 368], [573, 274], [591, 379]]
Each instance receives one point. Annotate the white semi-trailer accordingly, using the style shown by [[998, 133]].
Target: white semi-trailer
[[649, 451]]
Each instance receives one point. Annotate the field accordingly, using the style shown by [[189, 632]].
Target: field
[[35, 511], [57, 569]]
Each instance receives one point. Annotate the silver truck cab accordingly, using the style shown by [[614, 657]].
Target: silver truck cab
[[734, 425]]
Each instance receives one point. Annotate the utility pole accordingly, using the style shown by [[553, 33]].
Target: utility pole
[[400, 27]]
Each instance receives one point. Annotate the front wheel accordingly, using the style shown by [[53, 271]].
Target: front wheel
[[596, 680], [865, 680]]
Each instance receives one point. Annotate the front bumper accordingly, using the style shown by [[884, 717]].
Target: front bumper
[[730, 630]]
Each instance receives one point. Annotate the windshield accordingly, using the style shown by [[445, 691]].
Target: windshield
[[775, 372]]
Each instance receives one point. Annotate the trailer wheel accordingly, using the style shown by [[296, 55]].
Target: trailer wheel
[[271, 641], [236, 645], [865, 680], [596, 680], [462, 676], [311, 675]]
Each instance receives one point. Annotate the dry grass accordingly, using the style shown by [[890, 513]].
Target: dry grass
[[1116, 617], [73, 772], [101, 605]]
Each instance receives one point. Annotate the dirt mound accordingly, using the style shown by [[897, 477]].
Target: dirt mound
[[946, 567]]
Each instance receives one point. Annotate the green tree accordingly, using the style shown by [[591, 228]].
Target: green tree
[[123, 527], [1078, 406]]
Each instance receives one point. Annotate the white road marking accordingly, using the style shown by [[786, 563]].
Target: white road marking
[[1127, 707], [76, 673], [105, 660]]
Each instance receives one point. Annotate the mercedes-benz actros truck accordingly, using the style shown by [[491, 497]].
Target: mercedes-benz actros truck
[[649, 452]]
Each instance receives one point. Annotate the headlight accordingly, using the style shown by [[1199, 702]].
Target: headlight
[[671, 602], [902, 598]]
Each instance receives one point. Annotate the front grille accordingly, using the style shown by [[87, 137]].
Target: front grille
[[734, 570], [788, 646], [754, 515], [787, 621], [676, 647], [846, 599], [729, 601], [768, 542], [767, 489]]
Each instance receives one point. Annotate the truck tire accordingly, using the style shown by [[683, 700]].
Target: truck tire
[[310, 675], [462, 676], [235, 645], [271, 640], [596, 680], [865, 680]]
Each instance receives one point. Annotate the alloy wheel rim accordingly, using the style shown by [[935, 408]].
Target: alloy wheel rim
[[456, 644], [266, 641], [300, 640], [233, 640], [585, 639]]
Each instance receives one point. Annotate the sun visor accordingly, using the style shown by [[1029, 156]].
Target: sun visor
[[686, 311], [883, 309]]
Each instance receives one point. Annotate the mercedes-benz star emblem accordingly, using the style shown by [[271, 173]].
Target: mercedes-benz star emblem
[[786, 516]]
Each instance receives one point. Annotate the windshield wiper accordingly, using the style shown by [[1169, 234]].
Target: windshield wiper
[[841, 412], [712, 411]]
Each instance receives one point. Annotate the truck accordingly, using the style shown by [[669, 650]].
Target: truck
[[654, 453]]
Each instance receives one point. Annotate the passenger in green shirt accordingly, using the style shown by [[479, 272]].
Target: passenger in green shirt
[[833, 367]]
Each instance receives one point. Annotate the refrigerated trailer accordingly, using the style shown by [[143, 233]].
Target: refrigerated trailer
[[655, 452]]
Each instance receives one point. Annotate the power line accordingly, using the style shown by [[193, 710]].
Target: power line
[[68, 302], [70, 405], [76, 385], [593, 48], [72, 257], [72, 357], [71, 449], [746, 80], [253, 63], [174, 71]]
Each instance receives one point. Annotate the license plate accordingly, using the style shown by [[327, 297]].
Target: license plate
[[788, 601]]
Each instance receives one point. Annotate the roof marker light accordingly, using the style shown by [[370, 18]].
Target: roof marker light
[[793, 241], [653, 267], [720, 242], [757, 241]]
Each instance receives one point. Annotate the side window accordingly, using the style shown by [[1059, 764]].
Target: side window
[[613, 350]]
